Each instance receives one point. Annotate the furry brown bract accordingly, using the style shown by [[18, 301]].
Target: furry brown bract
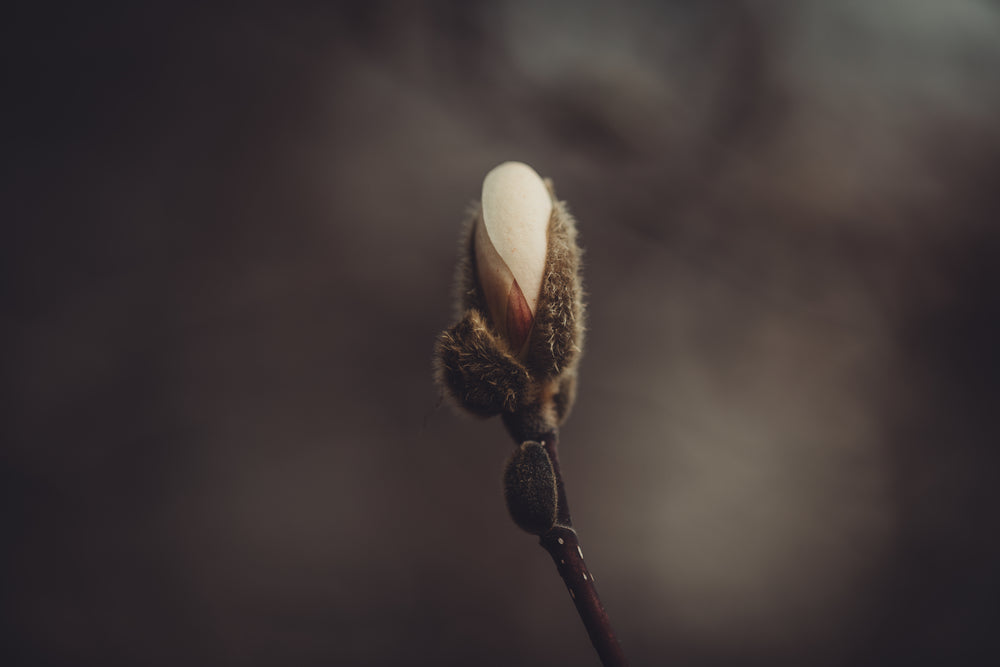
[[475, 365], [557, 340], [478, 370]]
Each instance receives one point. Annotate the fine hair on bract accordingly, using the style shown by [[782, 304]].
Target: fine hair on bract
[[473, 361]]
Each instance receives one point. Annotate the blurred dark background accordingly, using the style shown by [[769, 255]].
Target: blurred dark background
[[229, 237]]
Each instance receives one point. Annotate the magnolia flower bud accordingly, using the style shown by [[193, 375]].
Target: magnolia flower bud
[[510, 246], [515, 347]]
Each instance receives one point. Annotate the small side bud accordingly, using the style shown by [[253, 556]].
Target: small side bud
[[529, 487]]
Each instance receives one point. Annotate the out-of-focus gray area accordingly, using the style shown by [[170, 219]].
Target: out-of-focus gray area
[[229, 238]]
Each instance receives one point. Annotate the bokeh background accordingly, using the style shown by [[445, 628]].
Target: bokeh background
[[229, 238]]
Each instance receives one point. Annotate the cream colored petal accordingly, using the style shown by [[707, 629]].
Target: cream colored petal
[[516, 211]]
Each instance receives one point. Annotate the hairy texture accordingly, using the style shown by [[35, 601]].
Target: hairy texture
[[468, 295], [557, 340], [477, 370], [562, 400], [529, 487], [476, 365]]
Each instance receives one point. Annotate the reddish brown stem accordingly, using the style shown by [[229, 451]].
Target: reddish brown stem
[[563, 545]]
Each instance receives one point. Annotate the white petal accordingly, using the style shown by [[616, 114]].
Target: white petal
[[516, 211]]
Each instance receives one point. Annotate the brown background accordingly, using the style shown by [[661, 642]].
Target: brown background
[[228, 245]]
